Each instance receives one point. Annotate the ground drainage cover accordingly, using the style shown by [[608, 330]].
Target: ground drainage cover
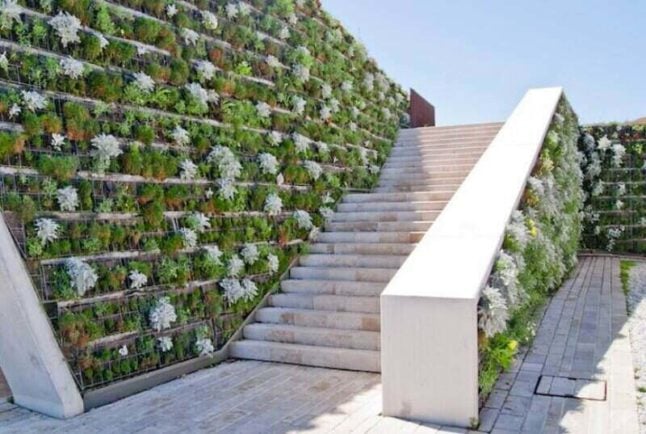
[[569, 387]]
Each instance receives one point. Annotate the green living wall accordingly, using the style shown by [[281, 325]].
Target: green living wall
[[162, 162], [613, 159], [538, 251]]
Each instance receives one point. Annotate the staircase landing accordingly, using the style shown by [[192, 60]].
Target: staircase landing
[[328, 312]]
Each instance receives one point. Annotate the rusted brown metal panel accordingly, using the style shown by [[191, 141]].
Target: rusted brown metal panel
[[422, 112]]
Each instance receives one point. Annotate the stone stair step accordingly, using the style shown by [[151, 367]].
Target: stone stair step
[[370, 237], [421, 182], [438, 132], [392, 206], [429, 158], [429, 163], [335, 303], [397, 197], [446, 138], [385, 216], [364, 274], [457, 144], [410, 226], [320, 337], [416, 188], [363, 248], [430, 172], [360, 261], [439, 151], [333, 287], [466, 128], [319, 318], [435, 175], [334, 358]]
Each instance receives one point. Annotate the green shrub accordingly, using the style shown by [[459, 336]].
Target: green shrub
[[61, 168]]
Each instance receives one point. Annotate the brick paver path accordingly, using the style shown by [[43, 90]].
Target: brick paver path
[[581, 337]]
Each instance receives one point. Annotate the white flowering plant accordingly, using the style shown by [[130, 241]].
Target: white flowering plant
[[144, 82], [188, 170], [33, 101], [71, 67], [190, 36], [303, 220], [250, 254], [162, 315], [10, 12], [313, 169], [4, 62], [273, 204], [68, 199], [67, 26], [189, 237], [226, 162], [268, 163], [137, 279], [47, 230], [209, 20], [180, 136], [198, 222], [205, 70], [82, 276], [165, 343], [235, 266], [106, 147], [273, 263]]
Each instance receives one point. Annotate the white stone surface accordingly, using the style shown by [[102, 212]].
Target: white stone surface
[[429, 309], [329, 313], [637, 324], [31, 359]]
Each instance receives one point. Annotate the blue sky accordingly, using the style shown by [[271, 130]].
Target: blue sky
[[474, 59]]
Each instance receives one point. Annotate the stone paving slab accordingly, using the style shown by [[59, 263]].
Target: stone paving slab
[[577, 376]]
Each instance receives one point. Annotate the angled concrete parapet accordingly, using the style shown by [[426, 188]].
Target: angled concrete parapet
[[429, 335], [31, 358]]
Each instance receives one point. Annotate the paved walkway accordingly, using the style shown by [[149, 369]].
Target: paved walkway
[[582, 337], [578, 375]]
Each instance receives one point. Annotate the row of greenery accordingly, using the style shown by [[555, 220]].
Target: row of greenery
[[614, 163], [190, 66], [538, 251], [165, 161]]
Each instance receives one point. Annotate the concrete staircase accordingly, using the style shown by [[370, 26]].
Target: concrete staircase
[[328, 312]]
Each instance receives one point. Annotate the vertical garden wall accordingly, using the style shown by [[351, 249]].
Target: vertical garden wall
[[538, 251], [613, 159], [162, 162]]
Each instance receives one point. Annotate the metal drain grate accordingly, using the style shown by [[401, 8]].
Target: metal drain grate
[[570, 387]]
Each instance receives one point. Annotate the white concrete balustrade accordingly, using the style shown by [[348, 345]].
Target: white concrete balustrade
[[429, 335]]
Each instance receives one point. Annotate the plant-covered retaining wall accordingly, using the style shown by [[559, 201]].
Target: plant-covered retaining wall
[[538, 251], [614, 166], [162, 162]]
